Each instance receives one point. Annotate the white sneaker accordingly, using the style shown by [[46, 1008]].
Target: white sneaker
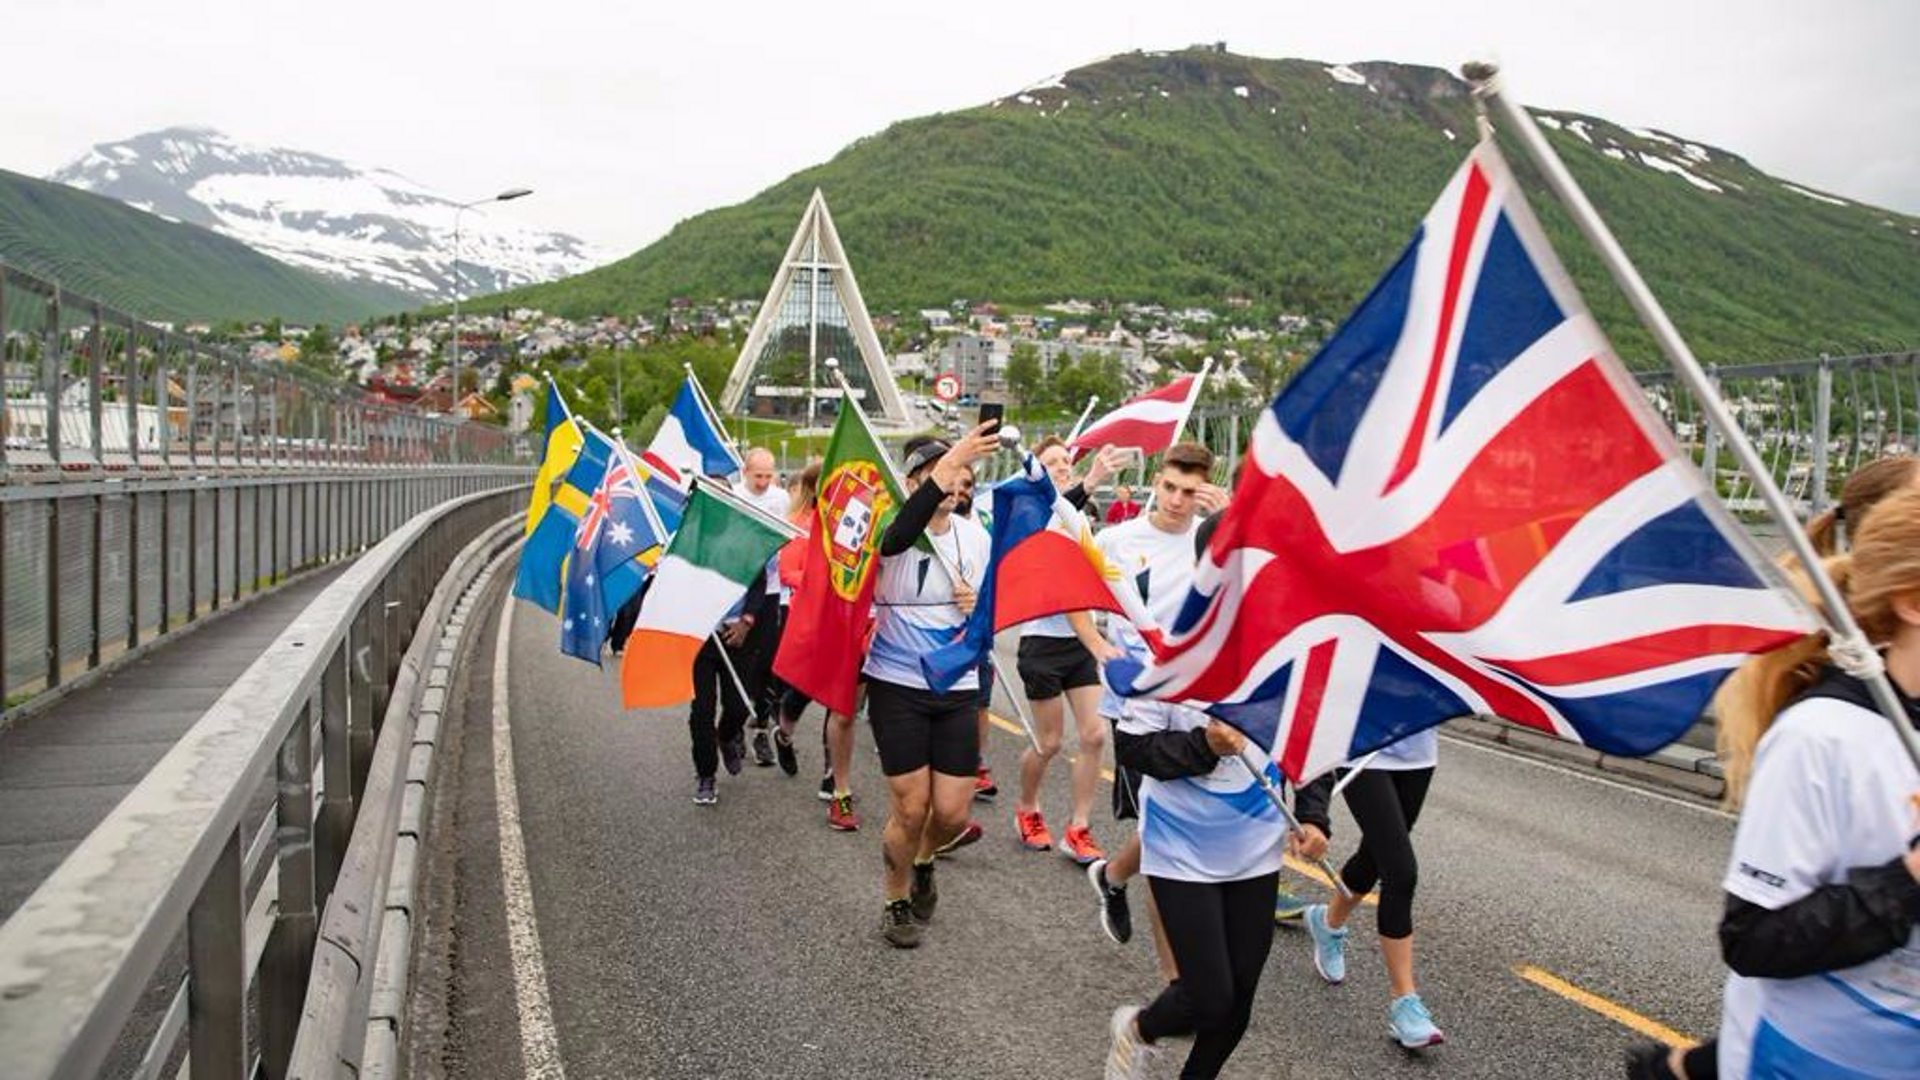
[[1130, 1055]]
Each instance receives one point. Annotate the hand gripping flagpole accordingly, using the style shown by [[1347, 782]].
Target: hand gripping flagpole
[[1847, 645], [1259, 774]]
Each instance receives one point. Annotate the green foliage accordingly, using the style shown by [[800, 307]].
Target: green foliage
[[163, 270], [1024, 378], [1148, 177]]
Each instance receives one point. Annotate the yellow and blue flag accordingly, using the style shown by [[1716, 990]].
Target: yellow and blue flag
[[552, 538], [557, 455]]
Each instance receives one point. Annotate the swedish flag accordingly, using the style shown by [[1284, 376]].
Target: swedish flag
[[561, 448], [553, 535]]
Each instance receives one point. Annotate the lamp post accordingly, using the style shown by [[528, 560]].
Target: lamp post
[[505, 196]]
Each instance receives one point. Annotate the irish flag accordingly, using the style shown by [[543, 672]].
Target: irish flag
[[719, 550]]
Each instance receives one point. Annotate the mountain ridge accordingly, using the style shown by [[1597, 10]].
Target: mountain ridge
[[1196, 175]]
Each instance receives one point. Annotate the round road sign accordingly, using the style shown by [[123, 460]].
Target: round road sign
[[947, 386]]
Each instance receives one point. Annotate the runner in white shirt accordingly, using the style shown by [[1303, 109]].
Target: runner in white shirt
[[929, 741], [1823, 885]]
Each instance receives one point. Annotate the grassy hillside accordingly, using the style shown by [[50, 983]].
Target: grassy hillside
[[1193, 176], [162, 270]]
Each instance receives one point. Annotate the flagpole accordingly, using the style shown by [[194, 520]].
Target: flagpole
[[646, 500], [738, 685], [1353, 773], [1847, 645], [1279, 801], [1080, 424]]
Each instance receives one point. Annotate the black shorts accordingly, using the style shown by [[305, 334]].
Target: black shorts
[[1050, 666], [917, 728], [983, 698], [1126, 782]]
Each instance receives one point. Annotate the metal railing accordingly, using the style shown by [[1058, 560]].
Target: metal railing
[[148, 479], [233, 841]]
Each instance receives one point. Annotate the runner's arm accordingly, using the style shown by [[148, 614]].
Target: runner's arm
[[911, 522], [1310, 804], [1165, 755], [1831, 928]]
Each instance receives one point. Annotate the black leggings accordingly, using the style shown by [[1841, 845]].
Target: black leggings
[[1385, 804], [710, 678], [1219, 933]]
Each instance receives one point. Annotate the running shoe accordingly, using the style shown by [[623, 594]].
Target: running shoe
[[706, 792], [1079, 846], [1648, 1061], [1115, 917], [925, 896], [762, 749], [984, 788], [1411, 1023], [1129, 1056], [826, 788], [1033, 830], [971, 834], [1329, 945], [1287, 907], [840, 815], [783, 750], [898, 927], [733, 753]]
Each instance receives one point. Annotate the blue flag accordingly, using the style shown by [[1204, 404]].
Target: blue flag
[[690, 441], [546, 551]]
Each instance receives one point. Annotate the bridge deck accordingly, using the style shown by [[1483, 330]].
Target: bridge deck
[[63, 770]]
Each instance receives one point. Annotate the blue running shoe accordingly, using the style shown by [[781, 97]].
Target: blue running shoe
[[1329, 945], [1411, 1023], [1287, 908]]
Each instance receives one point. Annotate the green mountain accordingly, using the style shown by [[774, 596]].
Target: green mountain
[[1193, 176], [163, 270]]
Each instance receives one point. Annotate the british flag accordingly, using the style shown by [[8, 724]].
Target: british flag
[[1462, 506]]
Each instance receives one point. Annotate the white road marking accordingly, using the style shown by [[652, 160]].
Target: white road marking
[[539, 1038], [1510, 755]]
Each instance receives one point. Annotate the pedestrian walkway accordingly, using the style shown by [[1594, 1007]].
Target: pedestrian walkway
[[63, 770]]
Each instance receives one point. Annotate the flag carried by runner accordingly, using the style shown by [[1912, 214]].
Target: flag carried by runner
[[557, 454], [619, 542], [720, 549], [690, 441], [1463, 505], [1147, 423], [545, 554], [825, 638], [1036, 570]]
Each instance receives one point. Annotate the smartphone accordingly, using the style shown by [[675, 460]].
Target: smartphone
[[993, 412]]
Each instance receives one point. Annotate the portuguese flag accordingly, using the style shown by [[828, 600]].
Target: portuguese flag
[[825, 639], [719, 550]]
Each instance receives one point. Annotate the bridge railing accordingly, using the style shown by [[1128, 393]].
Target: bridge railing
[[149, 479], [232, 844]]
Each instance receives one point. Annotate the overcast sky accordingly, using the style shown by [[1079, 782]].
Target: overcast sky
[[626, 119]]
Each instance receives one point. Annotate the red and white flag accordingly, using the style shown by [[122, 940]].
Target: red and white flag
[[1148, 423]]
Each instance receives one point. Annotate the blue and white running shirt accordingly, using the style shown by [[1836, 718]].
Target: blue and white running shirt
[[913, 607], [1830, 791], [1215, 827]]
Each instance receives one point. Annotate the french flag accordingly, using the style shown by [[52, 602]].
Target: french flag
[[1147, 423], [690, 441], [1037, 570]]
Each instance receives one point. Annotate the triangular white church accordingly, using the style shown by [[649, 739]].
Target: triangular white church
[[812, 312]]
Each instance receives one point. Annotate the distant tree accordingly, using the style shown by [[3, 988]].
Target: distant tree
[[1024, 379]]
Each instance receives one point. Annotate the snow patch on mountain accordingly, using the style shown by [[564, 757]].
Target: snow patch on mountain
[[324, 214]]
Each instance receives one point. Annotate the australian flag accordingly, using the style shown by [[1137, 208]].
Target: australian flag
[[1461, 506], [620, 540]]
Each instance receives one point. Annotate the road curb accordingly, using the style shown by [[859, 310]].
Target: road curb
[[1678, 769]]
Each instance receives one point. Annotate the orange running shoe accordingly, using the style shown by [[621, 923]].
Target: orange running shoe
[[840, 814], [1033, 830], [984, 789], [1079, 845]]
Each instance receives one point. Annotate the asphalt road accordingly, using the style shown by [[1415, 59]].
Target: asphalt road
[[742, 940]]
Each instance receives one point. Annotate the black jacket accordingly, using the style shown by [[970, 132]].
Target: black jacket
[[1835, 926]]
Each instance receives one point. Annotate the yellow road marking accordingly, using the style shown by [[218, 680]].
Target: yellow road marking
[[1296, 865], [1612, 1010]]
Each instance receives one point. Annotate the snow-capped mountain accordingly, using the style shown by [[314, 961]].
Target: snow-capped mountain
[[324, 214]]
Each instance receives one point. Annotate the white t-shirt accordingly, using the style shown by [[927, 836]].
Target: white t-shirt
[[776, 502], [913, 607], [1216, 827], [1830, 790], [1420, 750]]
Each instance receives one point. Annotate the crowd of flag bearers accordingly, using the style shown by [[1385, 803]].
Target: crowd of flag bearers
[[1461, 506]]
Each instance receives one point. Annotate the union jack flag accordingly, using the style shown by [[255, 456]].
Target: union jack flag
[[1462, 506]]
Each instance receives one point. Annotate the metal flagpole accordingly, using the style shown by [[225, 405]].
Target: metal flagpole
[[1259, 774], [1081, 424], [1353, 772], [1848, 647], [738, 686]]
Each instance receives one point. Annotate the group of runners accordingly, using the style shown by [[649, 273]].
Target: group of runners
[[1824, 878]]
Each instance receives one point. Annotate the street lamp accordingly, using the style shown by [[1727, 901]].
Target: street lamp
[[505, 196]]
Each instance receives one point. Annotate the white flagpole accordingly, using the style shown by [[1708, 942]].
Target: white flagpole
[[738, 685], [1353, 773], [1847, 644], [1081, 424], [1259, 774]]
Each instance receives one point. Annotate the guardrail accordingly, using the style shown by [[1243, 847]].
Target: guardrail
[[187, 853]]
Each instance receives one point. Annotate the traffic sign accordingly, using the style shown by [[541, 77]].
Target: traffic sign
[[947, 386]]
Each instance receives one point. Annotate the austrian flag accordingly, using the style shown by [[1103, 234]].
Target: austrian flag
[[1463, 505], [1148, 423]]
